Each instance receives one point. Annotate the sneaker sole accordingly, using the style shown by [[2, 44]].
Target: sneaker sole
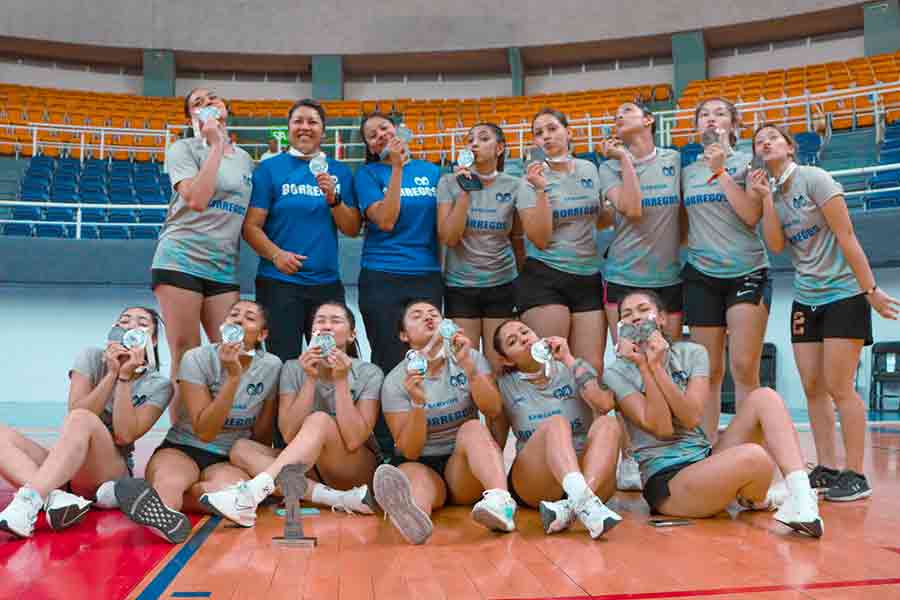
[[65, 517], [851, 498], [369, 500], [486, 518], [609, 524], [813, 529], [394, 494], [209, 506], [140, 503], [548, 518]]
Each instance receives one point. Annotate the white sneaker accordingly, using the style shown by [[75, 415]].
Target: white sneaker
[[106, 496], [801, 513], [236, 503], [356, 500], [496, 510], [595, 516], [556, 516], [64, 509], [394, 495], [775, 498], [19, 517], [628, 475]]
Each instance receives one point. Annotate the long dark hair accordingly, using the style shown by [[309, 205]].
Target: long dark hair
[[157, 323], [498, 343], [371, 156], [262, 311], [655, 299], [407, 305], [352, 350]]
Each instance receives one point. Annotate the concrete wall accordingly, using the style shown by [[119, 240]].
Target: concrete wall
[[355, 27], [69, 78], [805, 52]]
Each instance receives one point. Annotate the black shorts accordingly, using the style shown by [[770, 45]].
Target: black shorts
[[850, 318], [656, 489], [672, 295], [203, 458], [707, 299], [193, 283], [541, 285], [515, 495], [497, 302], [435, 463]]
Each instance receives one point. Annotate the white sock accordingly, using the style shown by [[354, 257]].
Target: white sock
[[261, 486], [36, 494], [798, 484], [106, 495], [322, 494], [575, 485]]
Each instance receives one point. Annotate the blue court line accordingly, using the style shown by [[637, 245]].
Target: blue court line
[[191, 594], [162, 580]]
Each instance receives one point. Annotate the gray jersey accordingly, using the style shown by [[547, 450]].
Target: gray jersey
[[364, 380], [207, 243], [484, 255], [150, 388], [575, 201], [646, 253], [720, 244], [259, 383], [448, 398], [822, 273], [527, 405], [686, 360]]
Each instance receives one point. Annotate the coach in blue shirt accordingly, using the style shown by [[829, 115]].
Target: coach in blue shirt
[[292, 223]]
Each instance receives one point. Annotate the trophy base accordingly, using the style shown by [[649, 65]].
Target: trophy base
[[290, 542]]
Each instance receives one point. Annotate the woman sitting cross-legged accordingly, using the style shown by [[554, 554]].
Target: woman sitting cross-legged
[[661, 389], [329, 402]]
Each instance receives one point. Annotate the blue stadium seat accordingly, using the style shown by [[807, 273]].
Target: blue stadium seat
[[88, 232], [65, 196], [51, 231], [144, 233], [119, 215], [92, 184], [121, 196], [94, 197], [885, 179], [152, 216], [35, 195], [690, 152], [27, 213], [889, 158], [808, 145], [890, 144], [113, 232], [153, 198], [55, 213], [878, 200], [855, 202], [18, 230], [93, 215]]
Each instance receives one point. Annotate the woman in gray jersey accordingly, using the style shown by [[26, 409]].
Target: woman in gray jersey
[[643, 185], [115, 396], [661, 387], [834, 292], [228, 392], [560, 447], [431, 402], [559, 291], [483, 235], [328, 404], [726, 278], [195, 266]]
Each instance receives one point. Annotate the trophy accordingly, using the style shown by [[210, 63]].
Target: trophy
[[639, 332], [416, 362], [465, 159], [318, 164], [292, 481], [404, 134]]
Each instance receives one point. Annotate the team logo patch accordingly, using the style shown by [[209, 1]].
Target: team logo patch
[[798, 202], [668, 171], [563, 392], [587, 183], [459, 380], [247, 180], [679, 377], [255, 389], [504, 197], [138, 400], [517, 400]]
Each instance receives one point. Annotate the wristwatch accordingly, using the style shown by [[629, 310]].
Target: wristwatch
[[337, 200]]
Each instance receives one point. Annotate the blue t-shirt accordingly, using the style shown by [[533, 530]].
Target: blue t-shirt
[[299, 219], [412, 247]]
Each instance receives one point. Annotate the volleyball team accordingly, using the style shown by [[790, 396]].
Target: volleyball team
[[486, 303]]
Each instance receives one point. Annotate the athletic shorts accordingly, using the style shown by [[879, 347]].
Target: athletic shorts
[[515, 495], [435, 463], [497, 302], [672, 295], [656, 489], [206, 287], [541, 285], [707, 299], [203, 458], [850, 318]]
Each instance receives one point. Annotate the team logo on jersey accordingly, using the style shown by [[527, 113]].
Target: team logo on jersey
[[798, 201], [504, 197], [459, 380], [247, 180], [679, 377], [731, 170], [563, 392], [517, 400], [587, 183], [668, 171], [421, 180], [138, 400], [255, 390]]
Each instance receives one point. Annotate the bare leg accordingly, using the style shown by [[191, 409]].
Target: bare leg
[[810, 362], [22, 457], [841, 358], [713, 339], [598, 461], [428, 490], [171, 472], [212, 479], [747, 327], [547, 457], [674, 323], [181, 311], [85, 448], [587, 337], [476, 464], [547, 321], [213, 313]]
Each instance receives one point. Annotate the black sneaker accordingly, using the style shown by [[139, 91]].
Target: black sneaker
[[850, 486], [821, 478], [142, 504]]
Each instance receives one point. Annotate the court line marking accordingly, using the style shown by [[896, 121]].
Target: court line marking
[[191, 594], [736, 590], [168, 574]]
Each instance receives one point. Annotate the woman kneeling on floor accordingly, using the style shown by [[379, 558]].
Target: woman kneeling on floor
[[661, 389]]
